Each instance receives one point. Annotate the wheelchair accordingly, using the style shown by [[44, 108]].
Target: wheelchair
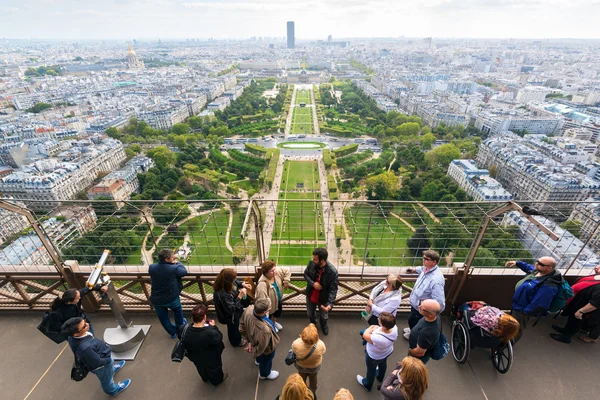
[[467, 336]]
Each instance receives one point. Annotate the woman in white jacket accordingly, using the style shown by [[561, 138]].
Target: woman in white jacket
[[385, 297]]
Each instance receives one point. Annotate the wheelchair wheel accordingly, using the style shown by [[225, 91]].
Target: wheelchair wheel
[[502, 358], [460, 342]]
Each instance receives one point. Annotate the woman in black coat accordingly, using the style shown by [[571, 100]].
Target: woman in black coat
[[203, 344], [69, 305], [228, 304], [583, 307]]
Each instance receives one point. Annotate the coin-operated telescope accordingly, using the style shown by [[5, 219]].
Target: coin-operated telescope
[[126, 339]]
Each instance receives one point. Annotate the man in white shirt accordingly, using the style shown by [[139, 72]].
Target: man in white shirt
[[380, 345]]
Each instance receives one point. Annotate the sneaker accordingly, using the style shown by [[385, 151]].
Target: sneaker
[[406, 330], [122, 386], [406, 336], [174, 336], [118, 366], [359, 378], [560, 338], [256, 363], [272, 376], [184, 321], [278, 326]]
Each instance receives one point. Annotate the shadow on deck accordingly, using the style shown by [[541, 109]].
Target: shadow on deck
[[543, 369]]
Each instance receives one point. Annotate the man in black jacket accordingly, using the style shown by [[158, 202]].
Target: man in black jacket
[[321, 288], [94, 354]]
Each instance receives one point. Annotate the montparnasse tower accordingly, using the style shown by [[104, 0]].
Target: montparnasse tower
[[133, 62]]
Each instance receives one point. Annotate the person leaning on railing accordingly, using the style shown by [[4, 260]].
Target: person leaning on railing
[[321, 288], [228, 295], [385, 297], [270, 285], [583, 307]]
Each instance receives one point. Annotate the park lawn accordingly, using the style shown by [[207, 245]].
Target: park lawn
[[302, 120], [207, 239], [246, 184], [236, 226], [304, 172], [301, 218], [285, 254], [303, 96], [387, 243]]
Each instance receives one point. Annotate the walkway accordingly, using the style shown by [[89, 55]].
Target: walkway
[[542, 369]]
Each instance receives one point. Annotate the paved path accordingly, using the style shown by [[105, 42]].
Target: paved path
[[412, 228], [433, 217]]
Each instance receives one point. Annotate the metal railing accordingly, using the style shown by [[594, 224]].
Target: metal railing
[[365, 240]]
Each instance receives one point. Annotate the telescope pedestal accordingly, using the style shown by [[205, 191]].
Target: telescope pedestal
[[126, 342]]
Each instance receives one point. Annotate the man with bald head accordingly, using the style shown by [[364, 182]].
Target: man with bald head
[[426, 333], [535, 292]]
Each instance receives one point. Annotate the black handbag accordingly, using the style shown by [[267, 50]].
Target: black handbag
[[291, 356], [79, 370], [178, 353], [51, 327]]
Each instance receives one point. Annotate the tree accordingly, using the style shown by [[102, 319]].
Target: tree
[[442, 156], [113, 132], [408, 129], [382, 186], [161, 156], [39, 107], [572, 226], [136, 148], [180, 129], [427, 140], [419, 241]]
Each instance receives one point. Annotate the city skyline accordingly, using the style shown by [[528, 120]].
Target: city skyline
[[240, 19]]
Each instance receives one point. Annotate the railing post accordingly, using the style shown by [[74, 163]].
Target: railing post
[[367, 241], [71, 270]]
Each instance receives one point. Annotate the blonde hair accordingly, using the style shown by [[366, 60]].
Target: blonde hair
[[343, 394], [507, 328], [414, 378], [295, 389], [310, 335]]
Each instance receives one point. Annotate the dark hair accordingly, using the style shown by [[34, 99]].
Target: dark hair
[[225, 280], [266, 266], [434, 255], [199, 312], [71, 326], [67, 297], [164, 254], [388, 321], [321, 253]]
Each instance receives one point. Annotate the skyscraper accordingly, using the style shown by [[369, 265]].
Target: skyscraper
[[291, 40]]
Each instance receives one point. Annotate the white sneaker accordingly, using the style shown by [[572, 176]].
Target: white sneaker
[[406, 330], [406, 336], [256, 363], [272, 376], [278, 326]]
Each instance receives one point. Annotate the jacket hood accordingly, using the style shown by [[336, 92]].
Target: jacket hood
[[555, 277]]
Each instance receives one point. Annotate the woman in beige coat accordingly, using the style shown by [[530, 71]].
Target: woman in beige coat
[[308, 367], [271, 285]]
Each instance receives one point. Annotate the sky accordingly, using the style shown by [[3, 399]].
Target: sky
[[240, 19]]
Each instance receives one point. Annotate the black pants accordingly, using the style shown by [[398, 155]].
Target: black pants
[[414, 317], [212, 373], [311, 310], [233, 333]]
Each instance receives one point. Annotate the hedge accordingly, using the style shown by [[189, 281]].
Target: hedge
[[327, 158], [255, 149], [345, 150], [273, 157]]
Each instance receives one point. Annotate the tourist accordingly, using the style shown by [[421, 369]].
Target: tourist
[[380, 345], [343, 394], [94, 354], [203, 344], [426, 333], [295, 389], [321, 288], [409, 381], [261, 334], [271, 284], [429, 285], [309, 350], [228, 295], [166, 286], [69, 305], [385, 297]]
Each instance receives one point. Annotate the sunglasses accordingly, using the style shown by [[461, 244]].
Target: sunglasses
[[427, 259], [539, 263]]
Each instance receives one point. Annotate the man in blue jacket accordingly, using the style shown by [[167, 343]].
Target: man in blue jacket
[[535, 292], [94, 354], [166, 287]]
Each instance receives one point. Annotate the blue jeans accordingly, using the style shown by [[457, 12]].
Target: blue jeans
[[162, 311], [265, 363], [372, 370], [105, 374]]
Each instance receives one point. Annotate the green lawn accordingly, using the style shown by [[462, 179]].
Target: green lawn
[[303, 96], [387, 237], [299, 220], [291, 254], [302, 120], [236, 227], [207, 239], [303, 172]]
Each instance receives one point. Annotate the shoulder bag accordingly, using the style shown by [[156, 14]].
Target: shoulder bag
[[79, 370], [178, 353], [291, 356]]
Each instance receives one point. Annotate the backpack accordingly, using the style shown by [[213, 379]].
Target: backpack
[[564, 293], [51, 326], [441, 348], [80, 370]]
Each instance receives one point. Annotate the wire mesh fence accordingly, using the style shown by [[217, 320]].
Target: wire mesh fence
[[361, 234]]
